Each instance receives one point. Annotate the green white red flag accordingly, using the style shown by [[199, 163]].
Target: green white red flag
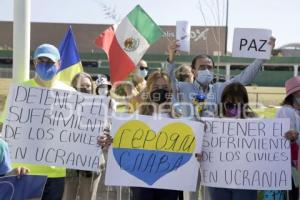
[[127, 42]]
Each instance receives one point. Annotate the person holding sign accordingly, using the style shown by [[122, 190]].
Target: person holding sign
[[291, 109], [79, 183], [47, 64], [234, 104], [157, 104], [202, 68]]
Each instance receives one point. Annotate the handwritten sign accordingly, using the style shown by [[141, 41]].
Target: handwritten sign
[[183, 32], [54, 127], [251, 43], [24, 187], [246, 154], [154, 153]]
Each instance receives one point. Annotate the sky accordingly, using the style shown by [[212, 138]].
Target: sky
[[281, 16]]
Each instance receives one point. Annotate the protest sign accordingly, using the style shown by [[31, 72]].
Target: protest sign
[[154, 153], [54, 127], [246, 154], [251, 43], [24, 187], [183, 32]]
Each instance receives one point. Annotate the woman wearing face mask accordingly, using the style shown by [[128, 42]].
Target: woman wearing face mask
[[79, 183], [291, 109], [138, 84], [234, 104], [157, 102]]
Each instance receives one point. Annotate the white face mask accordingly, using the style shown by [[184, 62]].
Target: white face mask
[[142, 73], [204, 77], [297, 99], [102, 91]]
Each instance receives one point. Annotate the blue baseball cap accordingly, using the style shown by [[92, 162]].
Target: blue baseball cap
[[47, 50]]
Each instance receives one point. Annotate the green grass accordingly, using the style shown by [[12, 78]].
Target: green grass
[[267, 112]]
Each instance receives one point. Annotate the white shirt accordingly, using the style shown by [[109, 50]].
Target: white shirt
[[287, 111]]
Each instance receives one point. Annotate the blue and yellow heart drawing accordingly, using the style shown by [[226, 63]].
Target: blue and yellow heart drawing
[[148, 155]]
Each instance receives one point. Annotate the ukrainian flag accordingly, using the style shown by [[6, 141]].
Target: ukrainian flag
[[69, 58]]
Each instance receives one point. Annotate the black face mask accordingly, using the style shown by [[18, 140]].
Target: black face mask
[[159, 96], [84, 90]]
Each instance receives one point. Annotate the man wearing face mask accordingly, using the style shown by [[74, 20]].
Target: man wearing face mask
[[202, 68], [46, 60], [47, 63]]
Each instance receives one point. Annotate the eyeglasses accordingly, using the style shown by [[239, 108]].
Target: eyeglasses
[[142, 68]]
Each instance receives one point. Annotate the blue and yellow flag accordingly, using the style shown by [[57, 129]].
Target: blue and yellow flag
[[69, 58]]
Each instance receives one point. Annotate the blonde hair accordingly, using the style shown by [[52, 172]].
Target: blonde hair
[[148, 108], [78, 77], [183, 72]]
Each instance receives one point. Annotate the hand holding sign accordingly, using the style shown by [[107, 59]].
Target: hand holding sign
[[252, 43], [154, 154]]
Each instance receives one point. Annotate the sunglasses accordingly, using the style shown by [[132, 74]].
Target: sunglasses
[[230, 105], [142, 68]]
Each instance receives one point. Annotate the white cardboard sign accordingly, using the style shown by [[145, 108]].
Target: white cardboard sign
[[154, 153], [251, 43], [183, 32], [54, 127], [246, 154]]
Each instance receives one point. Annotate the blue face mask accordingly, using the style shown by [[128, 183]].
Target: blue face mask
[[46, 71]]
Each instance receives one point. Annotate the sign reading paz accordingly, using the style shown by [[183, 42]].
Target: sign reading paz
[[246, 154], [54, 127], [154, 153], [251, 43]]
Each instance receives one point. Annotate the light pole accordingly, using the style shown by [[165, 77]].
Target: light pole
[[21, 40], [226, 32]]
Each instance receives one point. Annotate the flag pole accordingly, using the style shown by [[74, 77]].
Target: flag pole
[[21, 41]]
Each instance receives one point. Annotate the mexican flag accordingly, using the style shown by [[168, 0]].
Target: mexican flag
[[126, 43]]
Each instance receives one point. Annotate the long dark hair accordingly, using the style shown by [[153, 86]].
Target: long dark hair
[[239, 93], [289, 100]]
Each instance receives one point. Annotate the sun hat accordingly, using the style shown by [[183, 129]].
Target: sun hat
[[292, 85]]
